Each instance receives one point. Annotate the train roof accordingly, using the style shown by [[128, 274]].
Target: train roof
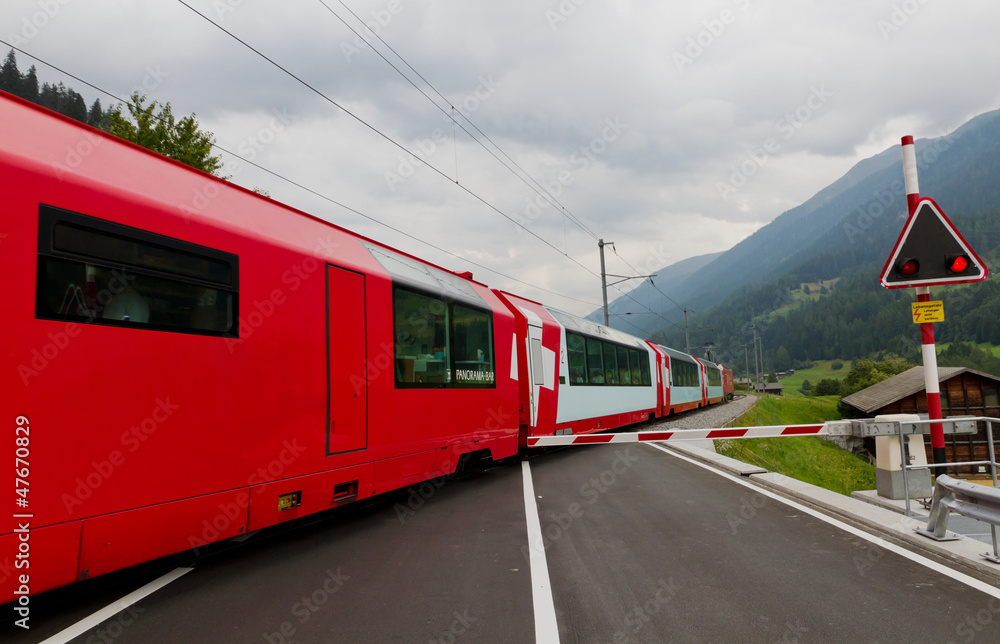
[[680, 355], [586, 327]]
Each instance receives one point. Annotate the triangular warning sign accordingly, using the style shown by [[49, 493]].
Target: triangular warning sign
[[930, 251]]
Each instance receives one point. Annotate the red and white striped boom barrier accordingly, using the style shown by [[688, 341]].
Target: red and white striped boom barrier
[[831, 428]]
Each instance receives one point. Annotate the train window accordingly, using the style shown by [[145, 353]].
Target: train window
[[595, 362], [633, 364], [610, 364], [96, 271], [441, 344], [472, 346], [714, 377], [683, 374], [421, 329], [576, 348], [644, 368], [624, 373]]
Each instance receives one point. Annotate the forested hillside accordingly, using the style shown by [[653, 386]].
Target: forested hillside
[[856, 317]]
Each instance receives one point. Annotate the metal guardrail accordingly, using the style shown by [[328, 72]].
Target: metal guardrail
[[968, 499]]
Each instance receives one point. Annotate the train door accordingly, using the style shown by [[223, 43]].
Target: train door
[[536, 369], [665, 362], [704, 382], [347, 426]]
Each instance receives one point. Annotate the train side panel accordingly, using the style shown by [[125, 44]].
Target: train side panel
[[685, 381], [596, 397]]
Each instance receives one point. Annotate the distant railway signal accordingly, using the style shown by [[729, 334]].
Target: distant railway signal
[[930, 251]]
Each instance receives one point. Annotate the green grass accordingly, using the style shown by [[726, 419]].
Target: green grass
[[820, 370], [808, 458], [799, 296]]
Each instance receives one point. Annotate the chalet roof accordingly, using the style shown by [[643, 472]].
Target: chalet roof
[[900, 386]]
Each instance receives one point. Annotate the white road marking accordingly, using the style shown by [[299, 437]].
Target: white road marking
[[546, 628], [881, 543], [111, 610]]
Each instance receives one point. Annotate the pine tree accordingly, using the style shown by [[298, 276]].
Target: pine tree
[[10, 77], [75, 106], [29, 85], [48, 97], [96, 117]]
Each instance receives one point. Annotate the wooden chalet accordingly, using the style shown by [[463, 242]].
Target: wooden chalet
[[964, 392]]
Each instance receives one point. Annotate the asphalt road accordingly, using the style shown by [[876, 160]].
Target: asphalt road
[[641, 546]]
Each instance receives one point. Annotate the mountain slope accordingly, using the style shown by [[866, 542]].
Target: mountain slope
[[846, 224]]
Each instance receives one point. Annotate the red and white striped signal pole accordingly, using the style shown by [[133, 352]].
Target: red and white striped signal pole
[[927, 348]]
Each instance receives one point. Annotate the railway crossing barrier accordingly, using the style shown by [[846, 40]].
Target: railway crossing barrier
[[832, 428], [969, 499], [861, 428]]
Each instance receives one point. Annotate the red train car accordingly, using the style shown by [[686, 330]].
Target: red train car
[[181, 374], [188, 361]]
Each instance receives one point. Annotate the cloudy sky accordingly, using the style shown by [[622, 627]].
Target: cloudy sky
[[672, 128]]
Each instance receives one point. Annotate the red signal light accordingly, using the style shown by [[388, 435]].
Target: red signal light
[[958, 264], [909, 267]]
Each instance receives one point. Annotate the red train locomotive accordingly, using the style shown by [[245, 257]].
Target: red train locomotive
[[178, 375]]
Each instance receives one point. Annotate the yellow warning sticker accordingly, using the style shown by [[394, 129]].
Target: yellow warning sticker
[[928, 312]]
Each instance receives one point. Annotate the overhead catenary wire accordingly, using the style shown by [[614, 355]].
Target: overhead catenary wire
[[553, 200], [538, 189]]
